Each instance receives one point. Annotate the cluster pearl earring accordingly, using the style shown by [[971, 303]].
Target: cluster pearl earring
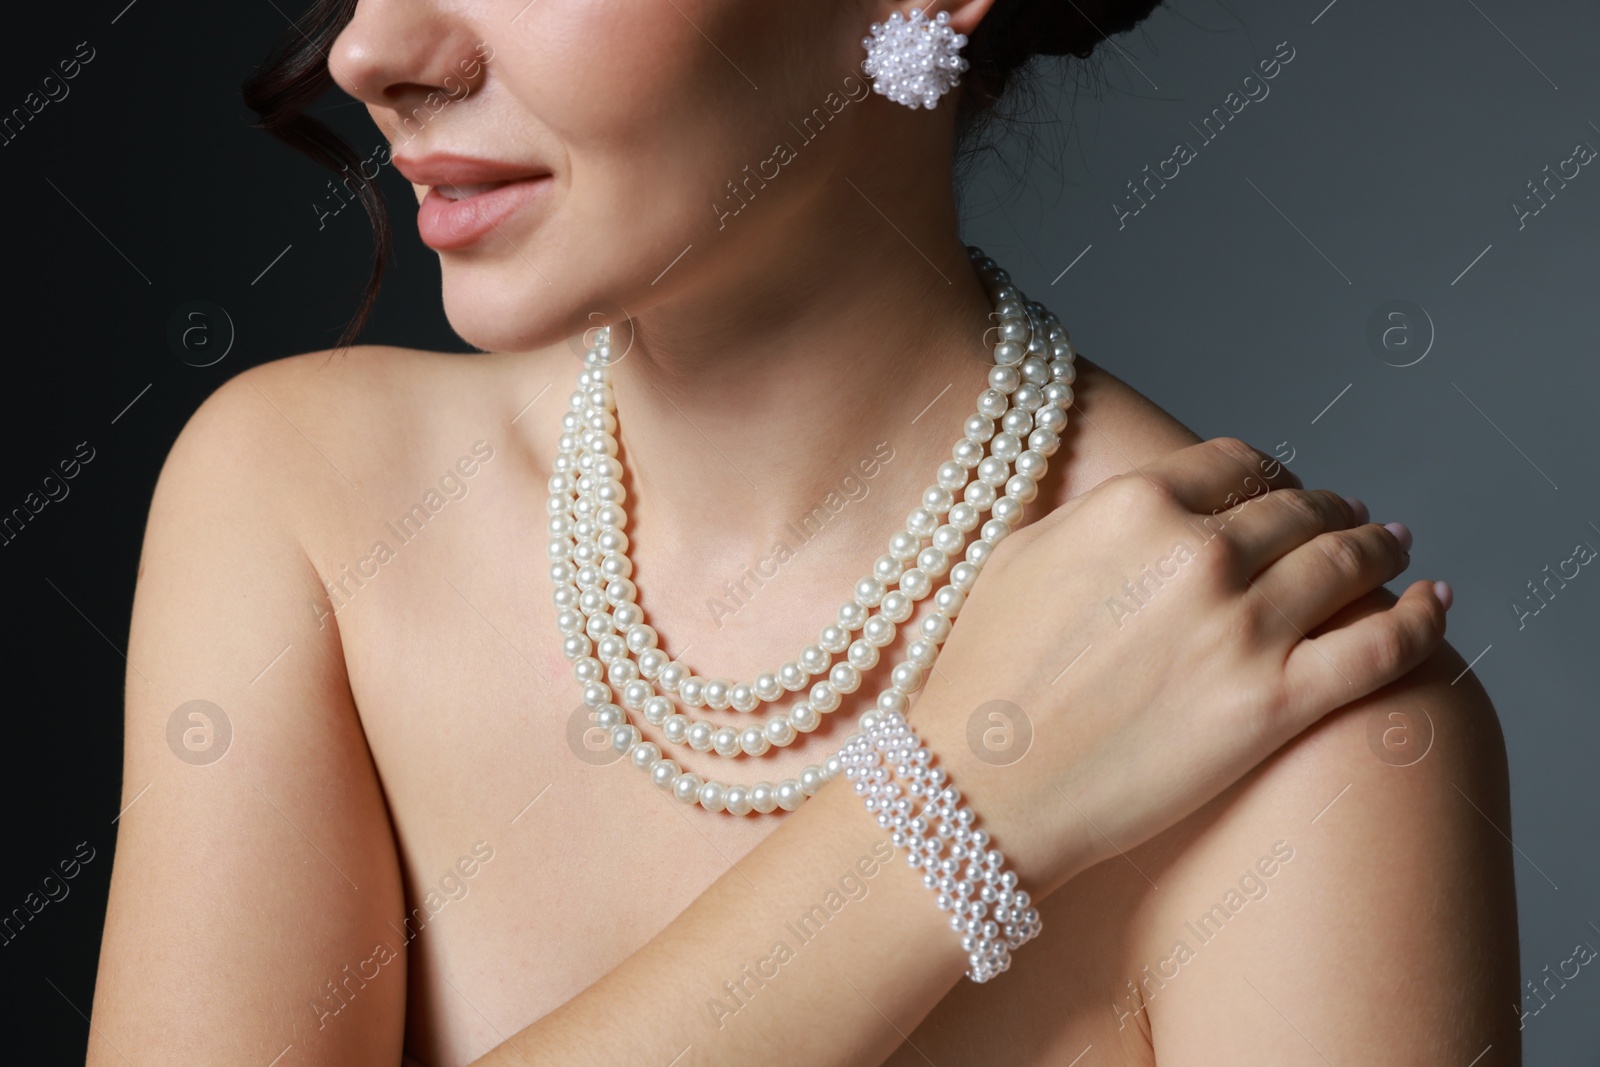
[[914, 61]]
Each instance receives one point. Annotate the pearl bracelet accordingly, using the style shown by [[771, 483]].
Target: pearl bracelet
[[893, 771]]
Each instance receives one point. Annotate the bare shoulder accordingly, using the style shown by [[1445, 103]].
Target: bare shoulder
[[1117, 428], [318, 435], [1308, 910]]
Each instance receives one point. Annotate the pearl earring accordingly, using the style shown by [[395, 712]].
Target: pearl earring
[[914, 61]]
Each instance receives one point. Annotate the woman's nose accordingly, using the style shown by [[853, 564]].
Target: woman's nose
[[394, 52]]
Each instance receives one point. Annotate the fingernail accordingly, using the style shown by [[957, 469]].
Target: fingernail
[[1362, 514], [1401, 534], [1443, 592], [1405, 559]]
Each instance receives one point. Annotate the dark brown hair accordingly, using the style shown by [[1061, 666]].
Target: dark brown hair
[[295, 75]]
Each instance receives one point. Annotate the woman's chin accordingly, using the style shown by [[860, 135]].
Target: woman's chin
[[506, 325]]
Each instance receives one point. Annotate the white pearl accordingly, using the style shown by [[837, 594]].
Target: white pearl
[[624, 737], [767, 687], [699, 735], [932, 561], [885, 569], [923, 652], [753, 740], [780, 732], [915, 583], [687, 787], [692, 691], [763, 797], [907, 677], [811, 780], [645, 755], [947, 538], [868, 591], [717, 693], [1051, 418], [980, 494], [937, 499], [948, 601], [656, 709], [966, 452], [608, 715], [903, 545], [664, 773], [1044, 442], [844, 677], [953, 475], [1007, 509], [670, 675], [651, 662], [1009, 353], [676, 727], [852, 615], [1017, 423], [995, 531], [804, 718], [896, 606], [736, 801], [726, 741], [792, 677], [712, 796], [863, 655], [789, 794], [878, 631], [743, 697], [1030, 464], [824, 697], [813, 660], [921, 522], [836, 638], [1022, 488]]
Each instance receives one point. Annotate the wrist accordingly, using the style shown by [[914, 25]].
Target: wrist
[[1043, 835]]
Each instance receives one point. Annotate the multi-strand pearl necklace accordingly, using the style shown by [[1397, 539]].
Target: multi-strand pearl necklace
[[1018, 421]]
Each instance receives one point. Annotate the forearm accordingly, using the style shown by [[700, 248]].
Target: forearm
[[737, 977]]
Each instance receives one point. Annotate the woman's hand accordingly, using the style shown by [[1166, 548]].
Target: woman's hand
[[1162, 634]]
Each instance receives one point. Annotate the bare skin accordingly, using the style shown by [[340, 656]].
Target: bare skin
[[446, 652], [400, 719]]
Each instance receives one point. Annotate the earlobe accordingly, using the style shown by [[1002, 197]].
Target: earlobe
[[966, 15]]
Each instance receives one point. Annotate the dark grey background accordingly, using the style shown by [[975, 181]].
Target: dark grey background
[[1382, 167]]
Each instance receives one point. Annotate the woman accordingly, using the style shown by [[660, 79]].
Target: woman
[[413, 848]]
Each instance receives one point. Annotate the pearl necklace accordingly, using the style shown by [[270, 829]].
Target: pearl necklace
[[610, 645]]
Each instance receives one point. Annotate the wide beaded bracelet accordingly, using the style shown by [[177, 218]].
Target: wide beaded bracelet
[[893, 771]]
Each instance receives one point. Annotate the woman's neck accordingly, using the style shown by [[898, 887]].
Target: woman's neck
[[750, 401]]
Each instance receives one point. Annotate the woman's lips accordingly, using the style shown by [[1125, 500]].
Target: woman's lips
[[456, 215]]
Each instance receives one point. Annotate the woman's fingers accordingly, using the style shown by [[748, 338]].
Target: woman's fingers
[[1307, 585], [1262, 530], [1350, 661], [1218, 474]]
